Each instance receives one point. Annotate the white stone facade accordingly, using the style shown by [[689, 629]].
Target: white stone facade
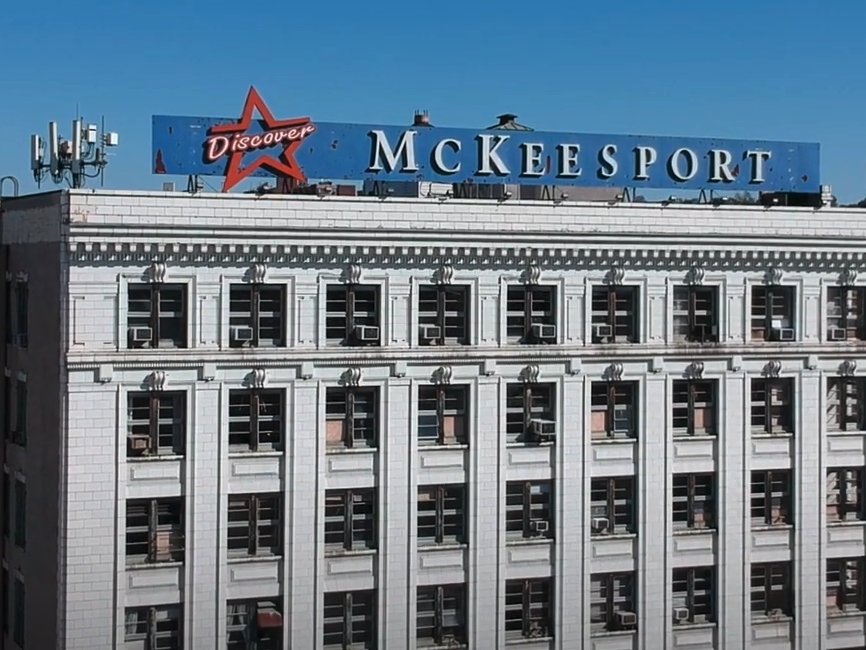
[[110, 240]]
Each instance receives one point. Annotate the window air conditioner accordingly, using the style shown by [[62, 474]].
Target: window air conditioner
[[367, 333], [544, 332], [138, 443], [539, 526], [141, 334], [838, 334], [600, 524], [786, 334], [626, 619], [542, 429], [681, 614], [242, 334], [602, 331], [430, 333]]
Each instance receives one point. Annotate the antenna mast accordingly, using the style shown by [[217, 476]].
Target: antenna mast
[[74, 160]]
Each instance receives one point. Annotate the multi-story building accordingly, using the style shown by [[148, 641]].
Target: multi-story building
[[350, 422]]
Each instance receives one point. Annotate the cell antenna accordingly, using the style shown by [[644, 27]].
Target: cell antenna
[[75, 159]]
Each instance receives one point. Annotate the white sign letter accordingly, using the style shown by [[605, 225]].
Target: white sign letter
[[438, 161], [568, 161], [532, 158], [646, 156], [488, 156], [609, 165], [674, 164], [382, 148], [758, 159], [719, 161]]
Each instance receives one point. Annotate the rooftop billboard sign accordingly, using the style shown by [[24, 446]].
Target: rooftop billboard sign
[[301, 149]]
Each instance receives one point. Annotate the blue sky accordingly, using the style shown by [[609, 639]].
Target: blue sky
[[740, 69]]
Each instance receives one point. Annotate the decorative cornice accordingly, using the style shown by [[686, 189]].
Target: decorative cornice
[[551, 256]]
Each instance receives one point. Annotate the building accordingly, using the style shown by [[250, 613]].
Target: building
[[412, 422]]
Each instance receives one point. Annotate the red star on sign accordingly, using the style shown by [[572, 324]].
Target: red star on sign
[[234, 141]]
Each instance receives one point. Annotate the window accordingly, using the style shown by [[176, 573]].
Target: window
[[22, 295], [694, 407], [157, 316], [352, 316], [612, 602], [695, 318], [773, 406], [771, 498], [845, 494], [442, 515], [5, 596], [528, 609], [531, 314], [350, 621], [255, 523], [443, 315], [257, 317], [441, 616], [773, 313], [614, 409], [846, 398], [254, 625], [694, 501], [845, 586], [615, 314], [19, 435], [612, 503], [19, 609], [443, 415], [255, 420], [350, 520], [20, 514], [772, 592], [154, 628], [529, 413], [8, 403], [352, 417], [7, 505], [9, 322], [846, 307], [694, 597], [528, 510], [156, 424], [154, 531]]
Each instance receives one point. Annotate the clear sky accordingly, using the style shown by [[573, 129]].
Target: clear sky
[[742, 69]]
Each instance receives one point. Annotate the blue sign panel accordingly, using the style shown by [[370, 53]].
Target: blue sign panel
[[302, 149]]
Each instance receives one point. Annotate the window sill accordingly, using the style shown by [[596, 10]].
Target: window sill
[[605, 633], [764, 620], [764, 434], [519, 445], [703, 625], [679, 435], [617, 440], [436, 646], [351, 450], [153, 459], [850, 523], [845, 613], [537, 639], [458, 447], [613, 536], [694, 531], [150, 566], [846, 433], [530, 541], [273, 453], [352, 553], [773, 527], [448, 546], [251, 559]]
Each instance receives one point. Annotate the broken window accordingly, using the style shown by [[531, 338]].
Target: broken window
[[442, 415]]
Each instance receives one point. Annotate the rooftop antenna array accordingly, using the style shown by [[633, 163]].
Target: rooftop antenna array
[[72, 160]]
